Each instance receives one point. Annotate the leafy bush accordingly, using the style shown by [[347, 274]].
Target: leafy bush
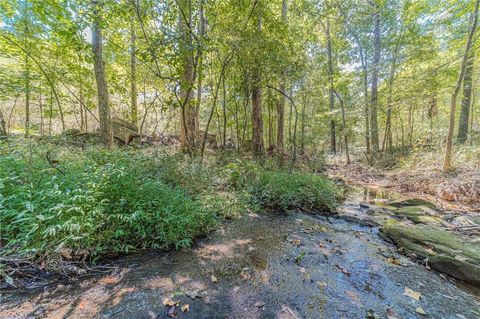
[[301, 191], [91, 203]]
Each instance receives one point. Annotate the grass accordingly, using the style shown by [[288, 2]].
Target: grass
[[68, 204]]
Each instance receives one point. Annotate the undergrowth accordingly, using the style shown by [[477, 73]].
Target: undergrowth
[[68, 204]]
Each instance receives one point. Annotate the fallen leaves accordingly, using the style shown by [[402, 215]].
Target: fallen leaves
[[213, 279], [169, 302], [412, 294], [246, 273], [172, 304], [420, 310], [296, 242]]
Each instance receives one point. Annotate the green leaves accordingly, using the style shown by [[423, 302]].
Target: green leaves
[[105, 203]]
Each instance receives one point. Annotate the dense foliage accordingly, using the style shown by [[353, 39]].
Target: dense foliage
[[297, 191], [67, 203], [91, 203]]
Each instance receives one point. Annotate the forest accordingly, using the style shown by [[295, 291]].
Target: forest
[[239, 159]]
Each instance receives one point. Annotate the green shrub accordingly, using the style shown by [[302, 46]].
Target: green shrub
[[91, 203], [296, 191]]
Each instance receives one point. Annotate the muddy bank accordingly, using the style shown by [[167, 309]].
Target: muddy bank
[[266, 266]]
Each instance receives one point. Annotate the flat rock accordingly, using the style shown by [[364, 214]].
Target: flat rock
[[413, 202], [448, 253]]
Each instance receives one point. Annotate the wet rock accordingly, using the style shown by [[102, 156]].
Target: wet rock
[[419, 214], [449, 253], [413, 202]]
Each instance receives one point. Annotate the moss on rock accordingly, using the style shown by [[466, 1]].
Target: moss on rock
[[446, 252]]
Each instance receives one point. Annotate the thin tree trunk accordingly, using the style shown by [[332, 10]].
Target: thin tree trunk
[[202, 32], [82, 112], [214, 104], [27, 95], [374, 98], [447, 164], [331, 102], [387, 140], [304, 106], [224, 111], [257, 119], [40, 105], [472, 113], [99, 68], [466, 100], [281, 103], [50, 115], [3, 128], [133, 73], [344, 122]]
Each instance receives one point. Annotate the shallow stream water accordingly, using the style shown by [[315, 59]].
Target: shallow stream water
[[263, 266]]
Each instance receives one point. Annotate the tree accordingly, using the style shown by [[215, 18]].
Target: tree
[[257, 120], [447, 164], [281, 102], [3, 128], [99, 69], [187, 110], [133, 73], [466, 100], [331, 101], [374, 93]]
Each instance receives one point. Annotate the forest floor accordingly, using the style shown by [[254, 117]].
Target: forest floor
[[286, 266], [420, 175], [373, 258]]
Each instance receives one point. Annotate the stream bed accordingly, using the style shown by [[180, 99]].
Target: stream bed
[[262, 266]]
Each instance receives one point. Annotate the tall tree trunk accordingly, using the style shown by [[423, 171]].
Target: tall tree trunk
[[366, 110], [3, 128], [202, 32], [99, 69], [82, 111], [224, 111], [281, 103], [474, 99], [187, 111], [466, 100], [344, 122], [331, 101], [133, 73], [40, 105], [50, 112], [304, 106], [257, 120], [27, 95], [27, 67], [387, 140], [447, 164], [376, 62]]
